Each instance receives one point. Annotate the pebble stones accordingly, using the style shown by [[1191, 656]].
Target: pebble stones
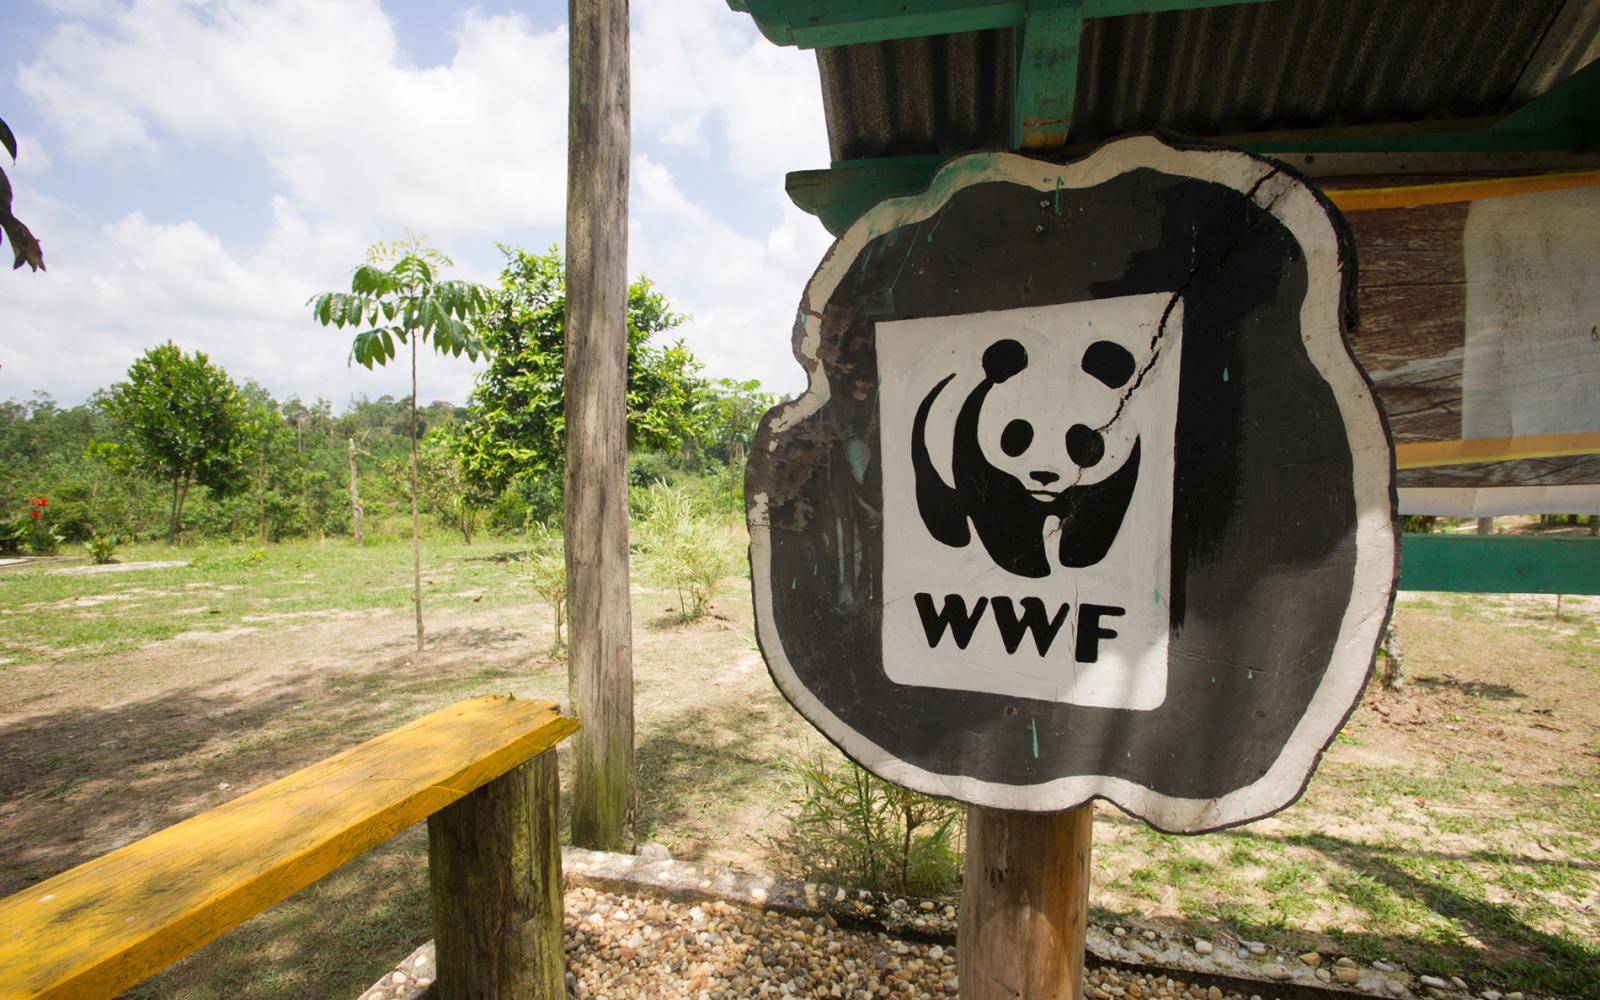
[[625, 947]]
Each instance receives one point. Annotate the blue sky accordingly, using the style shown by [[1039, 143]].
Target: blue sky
[[196, 169]]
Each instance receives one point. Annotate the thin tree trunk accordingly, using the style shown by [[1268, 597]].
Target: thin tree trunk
[[355, 488], [172, 519], [416, 536], [177, 511], [600, 669], [261, 498]]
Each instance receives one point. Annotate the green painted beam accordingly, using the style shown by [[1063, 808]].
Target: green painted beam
[[839, 195], [1046, 75], [817, 24], [1501, 564], [1574, 103]]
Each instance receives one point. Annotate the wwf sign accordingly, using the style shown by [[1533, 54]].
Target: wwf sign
[[1087, 495]]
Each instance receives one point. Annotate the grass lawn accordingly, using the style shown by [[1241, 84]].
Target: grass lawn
[[1453, 826]]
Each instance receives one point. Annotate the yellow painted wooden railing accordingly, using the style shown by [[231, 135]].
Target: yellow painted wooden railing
[[475, 771]]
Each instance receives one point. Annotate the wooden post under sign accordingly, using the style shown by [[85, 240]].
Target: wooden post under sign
[[1024, 904]]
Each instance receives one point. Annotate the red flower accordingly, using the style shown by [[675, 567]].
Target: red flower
[[34, 514]]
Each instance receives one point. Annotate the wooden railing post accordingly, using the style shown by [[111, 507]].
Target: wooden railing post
[[1024, 904], [494, 863]]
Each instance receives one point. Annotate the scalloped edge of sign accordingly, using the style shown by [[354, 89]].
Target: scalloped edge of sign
[[1283, 193]]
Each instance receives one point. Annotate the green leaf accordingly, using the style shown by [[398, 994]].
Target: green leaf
[[372, 281]]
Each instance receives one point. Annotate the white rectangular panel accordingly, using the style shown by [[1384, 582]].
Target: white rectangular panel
[[1092, 634]]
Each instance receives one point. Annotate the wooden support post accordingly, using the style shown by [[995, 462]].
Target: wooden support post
[[494, 863], [1024, 904], [600, 670]]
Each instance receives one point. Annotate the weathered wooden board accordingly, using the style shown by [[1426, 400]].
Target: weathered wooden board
[[1087, 495], [107, 924], [1478, 303]]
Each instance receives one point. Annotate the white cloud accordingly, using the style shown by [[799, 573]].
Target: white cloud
[[360, 144], [698, 68], [742, 290], [323, 94], [115, 291]]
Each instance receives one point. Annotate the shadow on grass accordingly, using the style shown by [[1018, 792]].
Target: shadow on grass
[[506, 556], [1472, 689], [476, 638], [1533, 957], [699, 764], [75, 784], [1377, 880], [332, 939]]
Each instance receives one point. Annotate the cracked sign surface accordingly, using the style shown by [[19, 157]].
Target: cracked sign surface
[[1087, 495]]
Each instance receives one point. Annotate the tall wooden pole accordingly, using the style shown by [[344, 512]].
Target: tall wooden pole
[[416, 533], [1024, 904], [599, 658]]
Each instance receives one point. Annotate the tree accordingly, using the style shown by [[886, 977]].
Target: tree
[[730, 412], [406, 303], [515, 417], [442, 486], [24, 248], [268, 440], [182, 421]]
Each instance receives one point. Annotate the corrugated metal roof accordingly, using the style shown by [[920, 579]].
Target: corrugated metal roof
[[1290, 64], [939, 94]]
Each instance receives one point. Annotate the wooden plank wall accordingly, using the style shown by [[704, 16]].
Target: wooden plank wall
[[1412, 336]]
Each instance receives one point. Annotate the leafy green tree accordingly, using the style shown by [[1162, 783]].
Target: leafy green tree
[[24, 248], [731, 410], [270, 443], [445, 491], [181, 421], [515, 419], [406, 303]]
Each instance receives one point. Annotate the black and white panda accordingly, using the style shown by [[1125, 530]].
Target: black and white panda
[[1032, 445]]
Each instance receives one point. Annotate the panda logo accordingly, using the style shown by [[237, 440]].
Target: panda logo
[[1030, 448]]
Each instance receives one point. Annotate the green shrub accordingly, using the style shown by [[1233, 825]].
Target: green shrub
[[101, 548], [682, 547], [647, 468], [14, 534], [855, 829]]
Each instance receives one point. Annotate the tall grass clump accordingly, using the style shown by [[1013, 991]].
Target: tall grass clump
[[853, 828], [683, 546], [545, 568]]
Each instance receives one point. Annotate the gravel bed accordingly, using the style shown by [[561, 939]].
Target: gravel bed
[[621, 947]]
